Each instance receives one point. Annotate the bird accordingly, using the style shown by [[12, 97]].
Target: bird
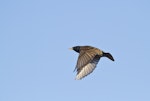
[[88, 59]]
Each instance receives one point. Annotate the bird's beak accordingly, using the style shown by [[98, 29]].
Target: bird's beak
[[70, 48]]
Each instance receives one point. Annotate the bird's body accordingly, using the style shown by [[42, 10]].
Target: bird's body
[[88, 59]]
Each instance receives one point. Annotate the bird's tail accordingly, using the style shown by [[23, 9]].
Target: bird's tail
[[108, 55]]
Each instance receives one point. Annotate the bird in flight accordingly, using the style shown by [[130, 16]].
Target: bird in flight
[[88, 59]]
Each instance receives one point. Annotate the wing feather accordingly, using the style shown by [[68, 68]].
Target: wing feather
[[87, 69], [84, 58]]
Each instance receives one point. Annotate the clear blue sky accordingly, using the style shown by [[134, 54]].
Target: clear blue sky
[[36, 65]]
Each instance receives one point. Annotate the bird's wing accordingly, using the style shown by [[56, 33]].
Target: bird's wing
[[87, 69], [84, 58]]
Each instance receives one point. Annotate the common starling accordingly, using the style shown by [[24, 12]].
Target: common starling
[[88, 59]]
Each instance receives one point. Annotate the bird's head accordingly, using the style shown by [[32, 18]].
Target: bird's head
[[75, 48]]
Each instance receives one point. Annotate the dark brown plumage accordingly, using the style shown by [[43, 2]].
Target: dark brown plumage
[[88, 59]]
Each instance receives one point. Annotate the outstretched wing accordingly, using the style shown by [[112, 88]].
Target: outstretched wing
[[87, 69], [84, 58]]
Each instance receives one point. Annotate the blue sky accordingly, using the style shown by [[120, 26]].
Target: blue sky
[[36, 65]]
